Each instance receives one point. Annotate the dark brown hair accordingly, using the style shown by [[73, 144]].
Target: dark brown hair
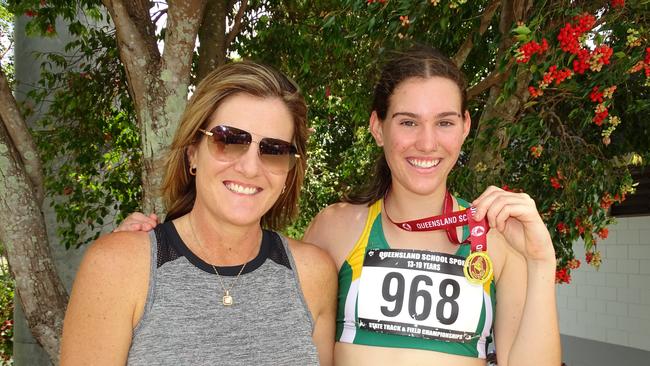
[[416, 62], [179, 188]]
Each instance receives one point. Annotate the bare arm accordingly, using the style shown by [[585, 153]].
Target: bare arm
[[318, 281], [106, 301], [526, 328]]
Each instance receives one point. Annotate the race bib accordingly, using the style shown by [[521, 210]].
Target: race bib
[[418, 293]]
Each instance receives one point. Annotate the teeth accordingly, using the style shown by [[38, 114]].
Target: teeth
[[424, 163], [240, 189]]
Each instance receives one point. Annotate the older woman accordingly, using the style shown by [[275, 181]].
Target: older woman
[[211, 286]]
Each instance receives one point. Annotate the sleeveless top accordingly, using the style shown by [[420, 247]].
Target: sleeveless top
[[409, 295], [185, 323]]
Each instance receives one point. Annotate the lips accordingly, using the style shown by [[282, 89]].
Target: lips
[[241, 189], [423, 163]]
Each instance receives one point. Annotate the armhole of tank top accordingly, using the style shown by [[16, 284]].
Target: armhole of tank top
[[373, 211], [296, 278], [462, 205], [153, 242]]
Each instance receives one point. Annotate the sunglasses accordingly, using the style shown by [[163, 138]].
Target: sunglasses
[[230, 144]]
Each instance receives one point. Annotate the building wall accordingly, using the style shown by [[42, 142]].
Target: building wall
[[612, 304]]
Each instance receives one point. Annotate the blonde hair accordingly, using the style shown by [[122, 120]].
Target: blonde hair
[[179, 188]]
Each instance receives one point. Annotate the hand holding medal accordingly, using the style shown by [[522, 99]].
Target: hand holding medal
[[515, 216]]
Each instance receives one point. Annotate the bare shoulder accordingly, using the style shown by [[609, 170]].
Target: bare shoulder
[[312, 261], [336, 228], [114, 251], [107, 299]]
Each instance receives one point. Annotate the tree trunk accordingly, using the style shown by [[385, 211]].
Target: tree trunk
[[23, 232], [505, 111]]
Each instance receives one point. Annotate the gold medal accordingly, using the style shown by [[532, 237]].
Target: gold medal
[[478, 268]]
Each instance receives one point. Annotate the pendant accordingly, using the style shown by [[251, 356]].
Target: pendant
[[478, 268], [227, 299]]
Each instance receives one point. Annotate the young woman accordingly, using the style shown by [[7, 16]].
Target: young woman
[[209, 286], [409, 293]]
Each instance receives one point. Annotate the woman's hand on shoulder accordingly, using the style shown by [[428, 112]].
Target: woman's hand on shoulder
[[107, 299], [516, 217], [318, 281], [137, 221]]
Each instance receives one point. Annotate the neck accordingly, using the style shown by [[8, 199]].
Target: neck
[[220, 243], [404, 205]]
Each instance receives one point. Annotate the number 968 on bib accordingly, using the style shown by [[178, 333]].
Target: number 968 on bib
[[419, 294]]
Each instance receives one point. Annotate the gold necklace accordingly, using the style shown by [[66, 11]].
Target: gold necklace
[[227, 299]]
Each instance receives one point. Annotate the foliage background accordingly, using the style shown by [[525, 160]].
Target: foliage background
[[547, 146]]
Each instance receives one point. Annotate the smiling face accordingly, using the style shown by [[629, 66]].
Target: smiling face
[[422, 133], [241, 191]]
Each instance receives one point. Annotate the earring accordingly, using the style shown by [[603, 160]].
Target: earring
[[193, 170], [284, 189]]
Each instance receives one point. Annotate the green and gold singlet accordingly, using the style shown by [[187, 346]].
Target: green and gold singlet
[[412, 298]]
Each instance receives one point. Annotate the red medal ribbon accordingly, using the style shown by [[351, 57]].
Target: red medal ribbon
[[449, 221]]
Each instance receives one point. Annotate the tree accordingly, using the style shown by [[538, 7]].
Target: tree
[[157, 83]]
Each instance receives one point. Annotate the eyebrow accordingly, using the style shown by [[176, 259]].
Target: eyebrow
[[415, 115]]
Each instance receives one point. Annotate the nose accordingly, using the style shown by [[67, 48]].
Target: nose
[[249, 164], [427, 139]]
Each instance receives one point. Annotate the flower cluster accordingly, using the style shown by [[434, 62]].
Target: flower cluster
[[603, 233], [456, 3], [405, 20], [536, 151], [601, 111], [562, 275], [556, 181], [562, 228], [574, 263], [527, 50], [618, 3], [570, 34], [593, 258], [633, 39], [550, 76]]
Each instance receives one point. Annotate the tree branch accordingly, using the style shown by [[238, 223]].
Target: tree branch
[[183, 20], [136, 42], [464, 50], [212, 38], [20, 138], [236, 27], [493, 79]]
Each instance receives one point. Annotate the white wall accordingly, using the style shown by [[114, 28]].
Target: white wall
[[612, 304]]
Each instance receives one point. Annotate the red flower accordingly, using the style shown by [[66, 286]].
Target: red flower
[[527, 50], [50, 29], [606, 201], [534, 93], [596, 95], [562, 228], [603, 233], [555, 183], [574, 263], [581, 64], [589, 256], [579, 226], [536, 151], [618, 3], [562, 276]]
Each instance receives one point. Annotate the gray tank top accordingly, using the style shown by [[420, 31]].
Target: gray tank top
[[185, 323]]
